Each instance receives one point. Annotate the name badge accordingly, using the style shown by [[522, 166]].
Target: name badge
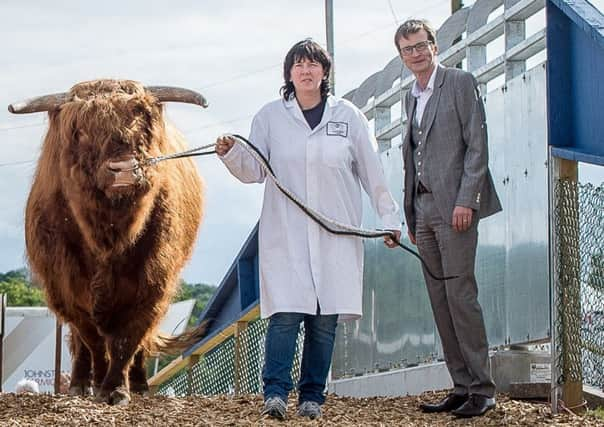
[[337, 129]]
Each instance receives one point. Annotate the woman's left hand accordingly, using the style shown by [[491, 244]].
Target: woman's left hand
[[390, 242]]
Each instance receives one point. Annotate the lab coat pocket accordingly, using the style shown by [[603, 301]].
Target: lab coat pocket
[[335, 152]]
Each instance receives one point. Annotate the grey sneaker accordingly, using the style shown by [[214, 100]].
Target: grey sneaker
[[275, 407], [309, 409]]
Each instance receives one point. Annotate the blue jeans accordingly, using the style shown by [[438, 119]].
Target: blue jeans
[[281, 337]]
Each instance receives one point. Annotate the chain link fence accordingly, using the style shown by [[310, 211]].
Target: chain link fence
[[579, 236], [232, 367]]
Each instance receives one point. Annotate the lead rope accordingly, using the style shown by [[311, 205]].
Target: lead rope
[[193, 152], [322, 220]]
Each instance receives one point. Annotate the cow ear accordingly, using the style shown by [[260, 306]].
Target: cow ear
[[52, 114]]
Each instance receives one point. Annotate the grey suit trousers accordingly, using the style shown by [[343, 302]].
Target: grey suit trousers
[[457, 313]]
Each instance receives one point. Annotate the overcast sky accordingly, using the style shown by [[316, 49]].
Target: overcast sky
[[231, 51]]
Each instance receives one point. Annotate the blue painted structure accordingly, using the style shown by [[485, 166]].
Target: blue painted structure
[[575, 87], [237, 294]]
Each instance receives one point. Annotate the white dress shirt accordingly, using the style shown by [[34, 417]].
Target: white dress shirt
[[423, 96], [300, 263]]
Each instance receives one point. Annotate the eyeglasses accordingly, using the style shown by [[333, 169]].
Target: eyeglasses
[[420, 47]]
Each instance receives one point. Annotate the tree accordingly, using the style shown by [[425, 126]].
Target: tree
[[200, 292], [19, 290]]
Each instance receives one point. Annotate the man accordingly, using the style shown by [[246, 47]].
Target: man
[[448, 187]]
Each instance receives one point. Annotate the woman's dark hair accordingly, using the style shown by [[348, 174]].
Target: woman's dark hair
[[305, 49]]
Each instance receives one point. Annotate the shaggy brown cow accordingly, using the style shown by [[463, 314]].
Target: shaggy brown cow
[[106, 234]]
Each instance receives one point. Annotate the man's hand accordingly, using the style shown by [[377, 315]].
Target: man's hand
[[390, 242], [462, 218], [411, 237], [224, 144]]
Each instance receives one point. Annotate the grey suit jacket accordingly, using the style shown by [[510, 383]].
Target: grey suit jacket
[[455, 149]]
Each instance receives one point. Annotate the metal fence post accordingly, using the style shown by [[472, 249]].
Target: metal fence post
[[58, 349], [2, 319]]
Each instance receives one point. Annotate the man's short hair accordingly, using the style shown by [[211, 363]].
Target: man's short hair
[[413, 26]]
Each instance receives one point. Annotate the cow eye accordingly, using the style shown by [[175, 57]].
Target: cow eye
[[140, 110]]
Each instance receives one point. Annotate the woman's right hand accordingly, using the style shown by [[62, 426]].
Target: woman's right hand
[[223, 144]]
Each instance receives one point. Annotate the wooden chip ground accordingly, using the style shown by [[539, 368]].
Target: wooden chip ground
[[49, 410]]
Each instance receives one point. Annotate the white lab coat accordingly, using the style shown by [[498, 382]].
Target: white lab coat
[[301, 263]]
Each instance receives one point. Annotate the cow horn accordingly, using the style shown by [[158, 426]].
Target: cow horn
[[177, 94], [39, 103]]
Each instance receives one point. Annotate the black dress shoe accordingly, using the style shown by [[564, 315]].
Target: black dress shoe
[[475, 406], [449, 403]]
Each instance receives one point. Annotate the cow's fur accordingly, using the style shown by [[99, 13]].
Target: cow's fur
[[107, 256]]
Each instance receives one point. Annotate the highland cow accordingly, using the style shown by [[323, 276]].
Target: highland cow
[[107, 234]]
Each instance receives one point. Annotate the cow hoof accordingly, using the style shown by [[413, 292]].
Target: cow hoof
[[79, 390], [140, 389], [119, 397], [101, 396]]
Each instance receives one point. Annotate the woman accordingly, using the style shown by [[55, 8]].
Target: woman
[[320, 148]]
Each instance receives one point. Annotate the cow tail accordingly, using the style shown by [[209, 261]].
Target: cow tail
[[176, 344]]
